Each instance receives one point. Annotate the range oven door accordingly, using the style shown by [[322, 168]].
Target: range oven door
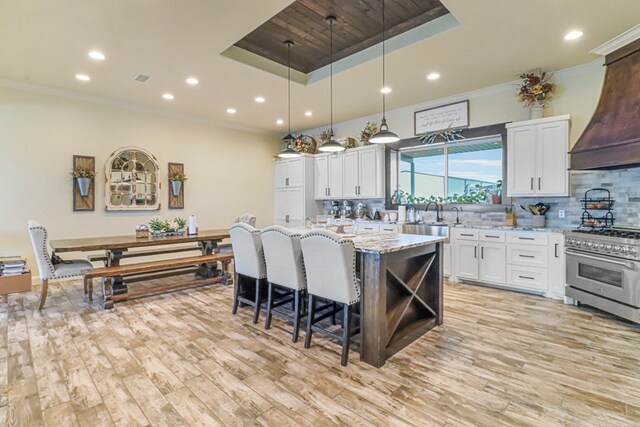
[[610, 277]]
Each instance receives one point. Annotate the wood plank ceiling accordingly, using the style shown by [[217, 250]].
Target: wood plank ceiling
[[359, 26]]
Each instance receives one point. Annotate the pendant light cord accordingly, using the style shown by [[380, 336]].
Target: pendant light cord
[[289, 43], [331, 22], [384, 95]]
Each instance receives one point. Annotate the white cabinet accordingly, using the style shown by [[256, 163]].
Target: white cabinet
[[446, 254], [556, 266], [537, 159], [350, 174], [378, 227], [363, 175], [492, 262], [328, 176], [466, 255], [289, 173], [293, 193]]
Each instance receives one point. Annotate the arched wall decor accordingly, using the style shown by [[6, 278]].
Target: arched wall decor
[[132, 180]]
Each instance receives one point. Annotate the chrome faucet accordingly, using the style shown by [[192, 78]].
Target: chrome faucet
[[438, 209], [457, 209]]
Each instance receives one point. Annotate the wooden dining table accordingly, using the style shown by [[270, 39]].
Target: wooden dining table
[[117, 247]]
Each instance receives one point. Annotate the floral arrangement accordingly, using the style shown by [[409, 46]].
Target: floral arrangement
[[158, 225], [304, 144], [83, 173], [347, 143], [325, 135], [177, 176], [369, 130], [535, 88]]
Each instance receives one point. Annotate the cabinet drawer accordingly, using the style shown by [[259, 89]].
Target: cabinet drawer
[[528, 255], [367, 226], [492, 236], [389, 228], [527, 238], [465, 234], [527, 277]]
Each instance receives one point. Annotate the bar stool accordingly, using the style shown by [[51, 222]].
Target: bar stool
[[285, 269], [330, 265], [222, 248], [248, 263]]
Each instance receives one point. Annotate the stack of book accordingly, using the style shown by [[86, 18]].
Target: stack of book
[[12, 266]]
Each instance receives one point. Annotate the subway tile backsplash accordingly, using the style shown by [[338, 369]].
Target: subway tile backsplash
[[624, 185]]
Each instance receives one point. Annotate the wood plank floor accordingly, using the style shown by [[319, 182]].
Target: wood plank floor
[[501, 359]]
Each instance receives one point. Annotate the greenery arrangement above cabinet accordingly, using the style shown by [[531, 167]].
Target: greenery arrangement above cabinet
[[537, 163]]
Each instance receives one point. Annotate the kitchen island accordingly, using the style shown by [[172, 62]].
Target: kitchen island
[[402, 291]]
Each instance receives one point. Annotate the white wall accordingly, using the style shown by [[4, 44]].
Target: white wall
[[230, 171], [577, 94]]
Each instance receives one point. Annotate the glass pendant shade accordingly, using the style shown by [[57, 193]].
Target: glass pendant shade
[[384, 136]]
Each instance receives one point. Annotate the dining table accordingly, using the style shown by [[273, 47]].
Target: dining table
[[115, 248]]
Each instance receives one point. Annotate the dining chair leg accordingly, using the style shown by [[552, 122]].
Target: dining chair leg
[[236, 293], [296, 316], [43, 294], [267, 322], [346, 335], [311, 313], [256, 311]]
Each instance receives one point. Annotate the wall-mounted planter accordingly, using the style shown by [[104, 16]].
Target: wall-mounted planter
[[84, 193], [176, 187]]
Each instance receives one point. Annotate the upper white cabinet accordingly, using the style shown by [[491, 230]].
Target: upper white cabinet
[[363, 176], [328, 181], [293, 193], [537, 161]]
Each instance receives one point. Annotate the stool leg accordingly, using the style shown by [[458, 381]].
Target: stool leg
[[296, 317], [334, 308], [43, 293], [311, 313], [346, 335], [236, 293], [267, 322], [256, 311]]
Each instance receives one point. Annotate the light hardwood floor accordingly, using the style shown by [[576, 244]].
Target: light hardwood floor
[[501, 358]]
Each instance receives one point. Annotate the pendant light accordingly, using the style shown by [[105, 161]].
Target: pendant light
[[384, 136], [331, 145], [288, 151]]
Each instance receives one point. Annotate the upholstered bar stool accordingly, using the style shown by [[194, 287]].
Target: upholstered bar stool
[[330, 265], [47, 269], [249, 263], [285, 269], [246, 218]]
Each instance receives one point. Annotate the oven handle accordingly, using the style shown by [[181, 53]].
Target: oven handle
[[629, 265]]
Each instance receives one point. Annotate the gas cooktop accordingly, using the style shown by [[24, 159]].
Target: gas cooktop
[[624, 233], [618, 242]]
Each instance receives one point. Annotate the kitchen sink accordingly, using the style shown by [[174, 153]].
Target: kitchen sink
[[427, 229]]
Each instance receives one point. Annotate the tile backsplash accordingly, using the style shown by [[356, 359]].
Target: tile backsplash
[[624, 185]]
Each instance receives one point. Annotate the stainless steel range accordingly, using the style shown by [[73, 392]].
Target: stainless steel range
[[603, 270]]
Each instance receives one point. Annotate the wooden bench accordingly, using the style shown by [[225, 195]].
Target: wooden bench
[[150, 267]]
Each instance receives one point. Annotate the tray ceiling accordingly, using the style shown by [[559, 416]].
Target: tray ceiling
[[359, 27]]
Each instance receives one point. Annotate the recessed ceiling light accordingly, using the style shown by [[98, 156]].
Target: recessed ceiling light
[[308, 114], [433, 76], [259, 99], [192, 81], [279, 122], [168, 96], [573, 35], [97, 55], [231, 110], [385, 90], [83, 77]]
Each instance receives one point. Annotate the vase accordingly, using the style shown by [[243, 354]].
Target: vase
[[175, 188], [539, 221], [83, 186], [537, 111]]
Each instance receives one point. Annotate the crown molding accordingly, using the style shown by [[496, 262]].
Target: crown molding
[[138, 108], [629, 36]]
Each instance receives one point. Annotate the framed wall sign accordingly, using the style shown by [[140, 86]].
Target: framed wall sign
[[439, 118]]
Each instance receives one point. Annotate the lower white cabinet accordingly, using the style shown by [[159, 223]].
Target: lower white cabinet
[[289, 207], [378, 227], [492, 262], [527, 260], [448, 268]]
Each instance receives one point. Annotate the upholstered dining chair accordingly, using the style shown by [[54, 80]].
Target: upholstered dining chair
[[285, 269], [247, 218], [330, 266], [46, 268], [248, 264]]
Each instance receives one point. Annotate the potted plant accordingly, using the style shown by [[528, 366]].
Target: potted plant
[[176, 179], [535, 90], [496, 198], [83, 178]]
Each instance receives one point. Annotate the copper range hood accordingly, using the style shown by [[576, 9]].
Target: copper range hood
[[611, 140]]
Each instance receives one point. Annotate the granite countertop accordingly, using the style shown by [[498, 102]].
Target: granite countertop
[[489, 226], [383, 243]]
